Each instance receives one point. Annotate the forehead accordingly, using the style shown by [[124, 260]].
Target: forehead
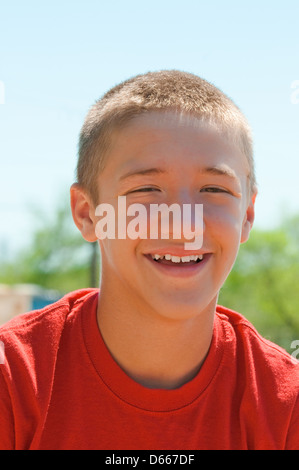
[[173, 140]]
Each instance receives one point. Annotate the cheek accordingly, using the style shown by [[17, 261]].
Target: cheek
[[224, 224], [117, 255]]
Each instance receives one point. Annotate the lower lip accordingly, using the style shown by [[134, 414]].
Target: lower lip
[[181, 271]]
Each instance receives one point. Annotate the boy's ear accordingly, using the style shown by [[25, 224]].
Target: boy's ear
[[248, 219], [83, 212]]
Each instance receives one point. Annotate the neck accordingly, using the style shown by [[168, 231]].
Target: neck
[[155, 351]]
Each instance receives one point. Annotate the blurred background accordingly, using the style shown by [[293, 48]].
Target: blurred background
[[58, 57]]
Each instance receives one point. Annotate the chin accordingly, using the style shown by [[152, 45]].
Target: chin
[[182, 307]]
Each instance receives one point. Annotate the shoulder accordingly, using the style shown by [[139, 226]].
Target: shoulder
[[52, 313], [266, 363], [37, 333], [248, 339]]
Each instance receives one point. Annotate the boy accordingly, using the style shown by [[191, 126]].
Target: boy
[[150, 361]]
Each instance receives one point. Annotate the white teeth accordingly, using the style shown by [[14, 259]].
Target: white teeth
[[178, 259]]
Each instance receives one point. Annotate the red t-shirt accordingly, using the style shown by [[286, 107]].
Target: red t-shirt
[[61, 389]]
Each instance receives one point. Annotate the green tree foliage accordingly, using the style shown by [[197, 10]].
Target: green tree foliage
[[57, 257]]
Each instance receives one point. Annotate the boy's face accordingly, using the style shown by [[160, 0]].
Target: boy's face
[[189, 165]]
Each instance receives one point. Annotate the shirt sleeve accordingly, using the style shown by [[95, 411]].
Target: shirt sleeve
[[6, 417]]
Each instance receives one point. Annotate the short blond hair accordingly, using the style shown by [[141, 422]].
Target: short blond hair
[[162, 90]]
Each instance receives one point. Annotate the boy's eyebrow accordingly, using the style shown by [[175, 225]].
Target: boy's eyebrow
[[147, 171], [214, 170], [219, 170]]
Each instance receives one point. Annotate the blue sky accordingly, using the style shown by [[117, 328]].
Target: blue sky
[[58, 57]]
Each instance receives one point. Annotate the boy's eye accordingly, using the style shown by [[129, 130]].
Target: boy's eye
[[214, 189], [143, 190]]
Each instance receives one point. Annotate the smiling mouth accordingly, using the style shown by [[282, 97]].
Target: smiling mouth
[[182, 261], [179, 267]]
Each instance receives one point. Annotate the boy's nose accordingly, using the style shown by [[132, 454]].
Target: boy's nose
[[192, 220]]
